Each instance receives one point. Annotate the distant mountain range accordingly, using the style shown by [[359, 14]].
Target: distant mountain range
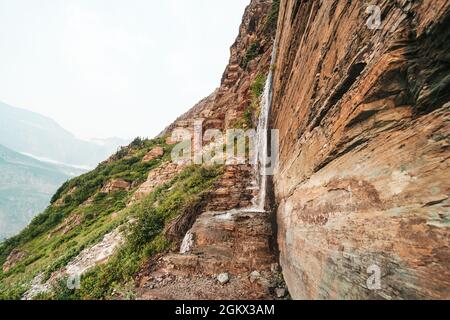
[[36, 156], [26, 185], [41, 137]]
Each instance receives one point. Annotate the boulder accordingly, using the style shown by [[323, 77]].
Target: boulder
[[255, 276], [155, 153], [13, 259], [280, 292], [116, 185], [223, 278]]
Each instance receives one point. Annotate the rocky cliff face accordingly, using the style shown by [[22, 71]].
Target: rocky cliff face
[[363, 182], [225, 238], [142, 226], [361, 192], [249, 57]]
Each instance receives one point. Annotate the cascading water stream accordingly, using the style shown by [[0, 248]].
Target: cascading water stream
[[262, 160]]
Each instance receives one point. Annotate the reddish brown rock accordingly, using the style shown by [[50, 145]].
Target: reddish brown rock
[[233, 190], [364, 120], [156, 177], [225, 106], [233, 242], [69, 223], [155, 153], [13, 259], [170, 141], [116, 185], [223, 241]]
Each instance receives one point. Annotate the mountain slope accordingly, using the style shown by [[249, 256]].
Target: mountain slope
[[28, 132], [26, 186], [87, 209], [126, 220], [360, 193]]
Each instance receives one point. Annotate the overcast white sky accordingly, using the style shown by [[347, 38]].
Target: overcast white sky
[[104, 68]]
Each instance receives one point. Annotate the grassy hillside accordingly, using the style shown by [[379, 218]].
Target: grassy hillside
[[48, 249]]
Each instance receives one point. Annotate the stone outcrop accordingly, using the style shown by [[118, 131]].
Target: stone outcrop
[[96, 254], [14, 257], [83, 262], [235, 240], [226, 105], [70, 223], [156, 178], [153, 154], [116, 185], [363, 181], [236, 243], [233, 190]]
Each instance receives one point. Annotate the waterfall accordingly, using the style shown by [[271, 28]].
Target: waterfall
[[262, 161]]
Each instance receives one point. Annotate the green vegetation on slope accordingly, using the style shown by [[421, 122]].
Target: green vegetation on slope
[[253, 51], [47, 247], [145, 236], [270, 26], [251, 113]]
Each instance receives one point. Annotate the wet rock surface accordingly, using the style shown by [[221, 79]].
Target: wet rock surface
[[223, 237], [225, 248]]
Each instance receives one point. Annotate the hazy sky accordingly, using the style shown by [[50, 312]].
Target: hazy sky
[[104, 68]]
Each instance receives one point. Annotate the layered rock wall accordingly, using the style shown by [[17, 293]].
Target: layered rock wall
[[363, 182], [249, 56]]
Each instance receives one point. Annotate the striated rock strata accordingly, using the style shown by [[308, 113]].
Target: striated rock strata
[[363, 181]]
